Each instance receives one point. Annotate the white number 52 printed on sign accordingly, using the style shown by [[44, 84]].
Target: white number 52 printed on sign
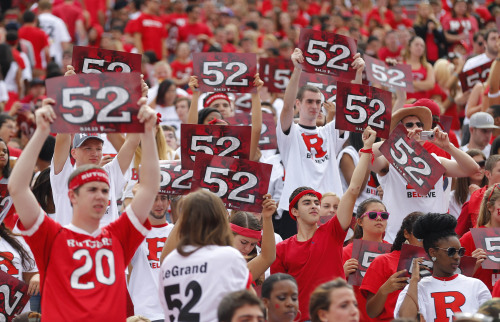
[[359, 106], [489, 240], [328, 53], [225, 72], [90, 60], [420, 169], [241, 184], [399, 75], [105, 103]]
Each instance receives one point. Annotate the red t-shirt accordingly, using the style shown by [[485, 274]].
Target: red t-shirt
[[363, 316], [496, 289], [190, 31], [470, 211], [82, 275], [152, 30], [94, 7], [457, 26], [376, 275], [384, 53], [419, 75], [312, 262], [38, 38], [70, 14], [179, 70], [488, 276]]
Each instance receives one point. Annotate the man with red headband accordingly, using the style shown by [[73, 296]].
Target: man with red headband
[[221, 102], [314, 255], [82, 266]]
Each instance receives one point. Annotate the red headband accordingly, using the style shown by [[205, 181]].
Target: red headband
[[250, 233], [300, 195], [218, 96], [89, 176]]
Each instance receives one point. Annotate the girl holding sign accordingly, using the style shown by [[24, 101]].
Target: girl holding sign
[[423, 74], [437, 297], [371, 221], [382, 282], [218, 106], [247, 233], [488, 218]]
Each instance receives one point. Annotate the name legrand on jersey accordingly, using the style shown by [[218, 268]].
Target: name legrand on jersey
[[88, 243], [179, 271]]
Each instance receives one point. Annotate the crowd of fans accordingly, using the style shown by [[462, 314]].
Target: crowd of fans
[[86, 221]]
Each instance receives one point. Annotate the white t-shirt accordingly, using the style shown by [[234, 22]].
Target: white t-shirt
[[59, 183], [193, 286], [476, 61], [277, 174], [4, 95], [310, 159], [15, 267], [58, 33], [455, 208], [437, 300], [169, 117], [400, 199], [144, 279], [10, 78]]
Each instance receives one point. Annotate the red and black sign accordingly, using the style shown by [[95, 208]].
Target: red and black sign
[[489, 240], [13, 296], [225, 72], [475, 75], [365, 252], [90, 60], [241, 184], [103, 103], [359, 106], [399, 75], [276, 73], [26, 124], [6, 204], [222, 140], [326, 84], [328, 53], [420, 169], [268, 139], [174, 179], [409, 252], [243, 101]]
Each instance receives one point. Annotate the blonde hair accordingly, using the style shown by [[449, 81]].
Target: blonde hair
[[484, 216], [320, 299], [329, 194], [137, 318], [423, 58], [165, 152]]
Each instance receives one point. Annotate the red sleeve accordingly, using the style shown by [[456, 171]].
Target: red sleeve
[[374, 276], [463, 223], [468, 242], [496, 289], [132, 26], [40, 238]]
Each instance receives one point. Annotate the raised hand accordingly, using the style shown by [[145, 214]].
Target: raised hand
[[297, 58]]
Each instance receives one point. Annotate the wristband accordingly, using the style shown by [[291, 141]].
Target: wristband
[[370, 150], [494, 95]]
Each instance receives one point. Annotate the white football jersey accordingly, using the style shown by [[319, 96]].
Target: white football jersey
[[438, 300], [192, 287], [143, 283]]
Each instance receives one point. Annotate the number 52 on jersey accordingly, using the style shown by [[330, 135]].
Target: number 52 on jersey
[[105, 103], [413, 162]]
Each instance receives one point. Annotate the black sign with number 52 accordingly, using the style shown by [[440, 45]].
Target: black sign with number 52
[[420, 169]]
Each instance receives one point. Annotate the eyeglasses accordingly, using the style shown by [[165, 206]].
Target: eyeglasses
[[492, 190], [481, 163], [451, 251], [410, 125], [376, 214], [480, 43]]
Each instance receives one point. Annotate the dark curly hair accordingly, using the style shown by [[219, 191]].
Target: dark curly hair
[[433, 227], [267, 286], [406, 225]]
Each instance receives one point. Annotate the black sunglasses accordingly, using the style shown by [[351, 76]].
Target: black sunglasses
[[409, 125], [374, 214], [481, 163], [451, 251]]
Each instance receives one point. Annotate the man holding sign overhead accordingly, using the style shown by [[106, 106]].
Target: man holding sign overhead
[[308, 152], [399, 192]]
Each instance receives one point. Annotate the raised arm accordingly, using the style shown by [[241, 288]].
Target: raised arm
[[286, 117], [409, 306], [19, 182], [256, 119], [193, 109], [263, 261], [150, 167], [127, 151], [346, 205], [359, 65], [494, 82]]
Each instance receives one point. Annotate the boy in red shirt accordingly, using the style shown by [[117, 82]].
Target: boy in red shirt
[[82, 267]]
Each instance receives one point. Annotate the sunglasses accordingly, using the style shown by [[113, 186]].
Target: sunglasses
[[376, 214], [451, 251], [410, 125], [481, 163]]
